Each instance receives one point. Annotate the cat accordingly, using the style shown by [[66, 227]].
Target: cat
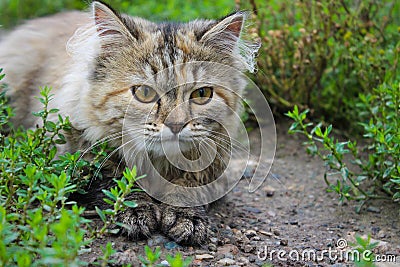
[[133, 82]]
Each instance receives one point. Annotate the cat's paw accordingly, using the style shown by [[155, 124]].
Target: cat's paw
[[140, 222], [185, 225]]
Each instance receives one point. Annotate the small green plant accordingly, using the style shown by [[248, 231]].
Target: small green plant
[[364, 247], [152, 257], [178, 261], [378, 164], [116, 199], [39, 226]]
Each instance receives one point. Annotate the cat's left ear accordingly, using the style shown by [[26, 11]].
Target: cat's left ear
[[227, 36]]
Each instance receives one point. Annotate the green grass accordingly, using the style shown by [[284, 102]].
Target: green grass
[[14, 11]]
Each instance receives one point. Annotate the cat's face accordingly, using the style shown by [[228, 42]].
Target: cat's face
[[167, 83]]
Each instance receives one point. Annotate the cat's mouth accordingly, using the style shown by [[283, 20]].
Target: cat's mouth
[[170, 145]]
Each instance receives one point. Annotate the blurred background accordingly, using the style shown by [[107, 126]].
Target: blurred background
[[13, 11], [318, 55]]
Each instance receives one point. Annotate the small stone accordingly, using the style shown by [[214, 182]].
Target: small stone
[[373, 209], [381, 234], [243, 260], [276, 232], [248, 248], [204, 257], [256, 238], [248, 173], [253, 210], [228, 248], [283, 242], [271, 213], [294, 223], [212, 247], [225, 262], [228, 256], [171, 245], [269, 191], [214, 240], [164, 263], [156, 240], [252, 258], [265, 233], [123, 258], [250, 233]]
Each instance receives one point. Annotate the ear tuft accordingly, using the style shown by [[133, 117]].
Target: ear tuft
[[109, 23], [235, 26], [227, 36]]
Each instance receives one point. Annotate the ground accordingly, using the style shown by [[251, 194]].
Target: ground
[[291, 212]]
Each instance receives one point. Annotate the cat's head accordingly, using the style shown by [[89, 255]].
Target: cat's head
[[164, 80]]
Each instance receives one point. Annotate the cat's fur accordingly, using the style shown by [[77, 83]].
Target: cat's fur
[[93, 72]]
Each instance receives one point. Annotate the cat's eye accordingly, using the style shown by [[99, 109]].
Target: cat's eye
[[202, 96], [144, 93]]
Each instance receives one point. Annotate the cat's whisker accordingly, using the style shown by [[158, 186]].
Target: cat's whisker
[[115, 136], [113, 152]]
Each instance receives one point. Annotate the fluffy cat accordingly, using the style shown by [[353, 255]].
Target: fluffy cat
[[132, 82]]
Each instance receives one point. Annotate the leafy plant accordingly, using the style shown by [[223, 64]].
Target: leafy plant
[[178, 261], [152, 257], [364, 247], [378, 165], [319, 55], [116, 199], [38, 224]]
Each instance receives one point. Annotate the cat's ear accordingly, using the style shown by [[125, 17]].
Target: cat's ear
[[230, 26], [227, 36], [110, 25]]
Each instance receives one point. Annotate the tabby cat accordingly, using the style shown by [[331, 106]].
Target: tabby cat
[[133, 82]]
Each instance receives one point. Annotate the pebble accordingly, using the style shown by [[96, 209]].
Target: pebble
[[271, 213], [156, 240], [250, 233], [253, 210], [228, 256], [204, 257], [228, 248], [164, 263], [269, 191], [294, 223], [252, 258], [214, 240], [373, 209], [266, 233], [225, 262], [248, 248], [212, 247], [171, 245], [276, 232], [243, 260], [283, 242]]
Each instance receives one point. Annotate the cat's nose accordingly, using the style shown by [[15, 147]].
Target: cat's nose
[[175, 127]]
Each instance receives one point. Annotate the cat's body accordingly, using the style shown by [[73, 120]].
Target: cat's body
[[112, 57]]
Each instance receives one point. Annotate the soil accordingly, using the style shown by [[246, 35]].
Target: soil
[[290, 214]]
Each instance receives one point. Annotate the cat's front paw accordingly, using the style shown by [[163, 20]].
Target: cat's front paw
[[185, 225], [140, 222]]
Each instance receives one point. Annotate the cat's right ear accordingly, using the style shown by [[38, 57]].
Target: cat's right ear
[[110, 25]]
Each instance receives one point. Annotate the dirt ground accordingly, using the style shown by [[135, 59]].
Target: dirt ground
[[289, 215]]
